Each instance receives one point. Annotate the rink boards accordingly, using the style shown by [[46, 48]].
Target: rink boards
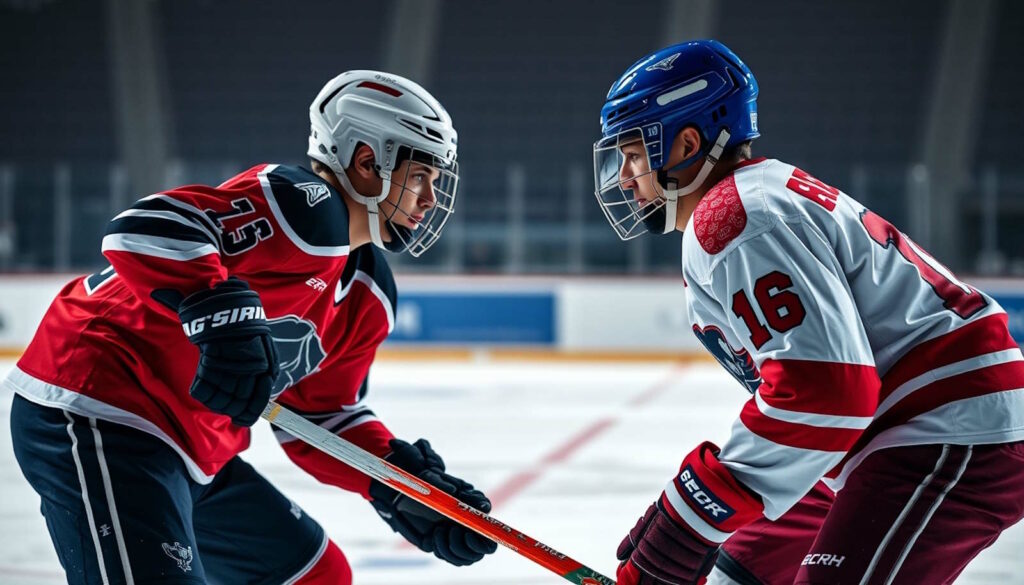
[[630, 317]]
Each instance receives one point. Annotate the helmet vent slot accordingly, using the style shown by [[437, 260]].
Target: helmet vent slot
[[381, 88], [732, 75], [327, 100], [624, 110], [428, 133]]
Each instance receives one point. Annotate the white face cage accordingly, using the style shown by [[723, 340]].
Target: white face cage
[[626, 186], [424, 203]]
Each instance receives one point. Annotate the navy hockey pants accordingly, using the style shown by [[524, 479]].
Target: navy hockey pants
[[121, 508]]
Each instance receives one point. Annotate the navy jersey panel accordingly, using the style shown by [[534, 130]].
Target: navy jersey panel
[[118, 501], [312, 207], [370, 260]]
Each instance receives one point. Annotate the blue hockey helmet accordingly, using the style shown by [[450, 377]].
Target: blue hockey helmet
[[701, 84]]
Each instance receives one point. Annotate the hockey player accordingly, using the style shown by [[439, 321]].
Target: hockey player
[[871, 367], [134, 399]]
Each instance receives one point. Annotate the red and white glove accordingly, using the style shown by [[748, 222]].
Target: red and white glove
[[677, 539]]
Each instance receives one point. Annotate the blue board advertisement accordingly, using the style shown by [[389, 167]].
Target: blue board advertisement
[[528, 318], [443, 318], [1014, 305]]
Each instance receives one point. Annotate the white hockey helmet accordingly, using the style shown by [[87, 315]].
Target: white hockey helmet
[[398, 120]]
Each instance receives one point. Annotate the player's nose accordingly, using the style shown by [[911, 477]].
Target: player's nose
[[427, 199], [627, 178], [628, 183]]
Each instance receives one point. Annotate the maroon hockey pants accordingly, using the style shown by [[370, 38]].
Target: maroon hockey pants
[[906, 515]]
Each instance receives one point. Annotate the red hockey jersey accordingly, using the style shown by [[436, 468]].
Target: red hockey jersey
[[107, 349]]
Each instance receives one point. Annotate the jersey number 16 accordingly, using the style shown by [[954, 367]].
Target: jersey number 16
[[782, 308]]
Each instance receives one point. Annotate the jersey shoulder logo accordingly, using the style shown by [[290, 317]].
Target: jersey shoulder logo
[[181, 554], [299, 350], [719, 217], [665, 64], [307, 209], [738, 363], [315, 192]]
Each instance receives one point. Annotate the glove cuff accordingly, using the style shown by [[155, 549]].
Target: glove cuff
[[706, 498], [213, 313]]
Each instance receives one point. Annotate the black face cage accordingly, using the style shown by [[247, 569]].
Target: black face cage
[[442, 192]]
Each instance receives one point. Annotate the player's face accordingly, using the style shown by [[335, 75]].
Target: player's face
[[635, 174], [411, 195]]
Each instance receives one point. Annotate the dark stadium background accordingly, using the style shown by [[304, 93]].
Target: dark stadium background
[[912, 107]]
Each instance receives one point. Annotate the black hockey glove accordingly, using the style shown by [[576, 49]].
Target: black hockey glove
[[425, 528], [237, 357]]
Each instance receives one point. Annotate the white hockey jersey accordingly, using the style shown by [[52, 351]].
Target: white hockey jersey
[[850, 337]]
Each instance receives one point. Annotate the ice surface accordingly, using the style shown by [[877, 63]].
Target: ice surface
[[573, 452]]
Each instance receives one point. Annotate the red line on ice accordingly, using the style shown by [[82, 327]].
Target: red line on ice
[[516, 484], [520, 481]]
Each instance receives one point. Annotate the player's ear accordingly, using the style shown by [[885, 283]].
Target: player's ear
[[363, 163], [685, 145], [691, 140]]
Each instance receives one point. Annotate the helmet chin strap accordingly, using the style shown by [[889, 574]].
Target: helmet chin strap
[[371, 203], [672, 195]]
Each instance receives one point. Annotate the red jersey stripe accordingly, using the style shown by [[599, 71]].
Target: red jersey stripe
[[986, 335], [797, 435], [820, 387], [998, 378]]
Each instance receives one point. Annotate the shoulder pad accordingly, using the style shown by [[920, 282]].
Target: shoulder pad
[[719, 217], [311, 211]]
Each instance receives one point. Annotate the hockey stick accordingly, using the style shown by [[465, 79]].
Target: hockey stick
[[433, 498]]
